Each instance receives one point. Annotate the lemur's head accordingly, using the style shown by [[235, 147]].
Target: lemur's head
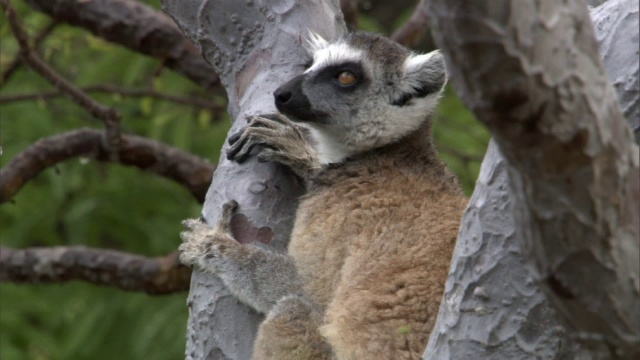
[[360, 92]]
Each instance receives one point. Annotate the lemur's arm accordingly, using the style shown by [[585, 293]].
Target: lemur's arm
[[258, 278], [282, 142]]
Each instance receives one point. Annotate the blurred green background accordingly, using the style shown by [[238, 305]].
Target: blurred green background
[[83, 202]]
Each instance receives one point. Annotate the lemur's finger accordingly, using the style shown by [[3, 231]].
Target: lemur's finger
[[191, 223], [237, 146], [277, 117], [241, 150], [235, 137], [269, 155], [228, 208], [251, 137], [254, 122]]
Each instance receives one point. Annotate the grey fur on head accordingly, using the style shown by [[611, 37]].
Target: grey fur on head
[[394, 92]]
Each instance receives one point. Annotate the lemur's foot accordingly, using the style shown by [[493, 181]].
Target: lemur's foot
[[204, 246], [281, 142]]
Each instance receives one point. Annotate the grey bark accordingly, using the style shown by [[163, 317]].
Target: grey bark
[[255, 46], [616, 25], [563, 204]]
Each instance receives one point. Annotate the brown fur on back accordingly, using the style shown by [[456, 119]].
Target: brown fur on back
[[372, 242]]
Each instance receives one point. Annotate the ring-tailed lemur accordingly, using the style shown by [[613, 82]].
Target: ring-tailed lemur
[[373, 236]]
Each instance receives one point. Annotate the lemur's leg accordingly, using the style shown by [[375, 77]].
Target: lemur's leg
[[281, 142], [257, 277], [290, 332]]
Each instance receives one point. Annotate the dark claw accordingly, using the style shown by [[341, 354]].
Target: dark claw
[[235, 137], [228, 209], [232, 152]]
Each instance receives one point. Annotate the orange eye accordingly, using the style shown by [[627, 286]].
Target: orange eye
[[346, 78]]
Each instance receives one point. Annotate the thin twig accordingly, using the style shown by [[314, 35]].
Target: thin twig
[[17, 61], [155, 276], [412, 31], [139, 27], [107, 115], [189, 170], [189, 101]]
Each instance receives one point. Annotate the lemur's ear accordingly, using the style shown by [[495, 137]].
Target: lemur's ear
[[423, 75], [315, 42]]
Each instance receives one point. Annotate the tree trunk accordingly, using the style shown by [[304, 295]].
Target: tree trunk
[[552, 224], [254, 46]]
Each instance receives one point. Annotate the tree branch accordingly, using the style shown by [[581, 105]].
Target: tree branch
[[15, 63], [349, 10], [137, 27], [188, 101], [155, 276], [186, 169], [414, 29], [107, 115], [532, 73]]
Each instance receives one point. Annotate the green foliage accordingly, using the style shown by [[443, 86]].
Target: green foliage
[[104, 205], [460, 138]]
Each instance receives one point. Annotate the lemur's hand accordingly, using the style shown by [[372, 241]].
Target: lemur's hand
[[257, 277], [280, 140], [207, 247]]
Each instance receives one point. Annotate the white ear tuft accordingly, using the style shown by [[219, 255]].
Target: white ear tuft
[[315, 42], [415, 62], [424, 76]]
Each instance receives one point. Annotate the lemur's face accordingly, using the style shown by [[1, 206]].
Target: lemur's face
[[361, 92]]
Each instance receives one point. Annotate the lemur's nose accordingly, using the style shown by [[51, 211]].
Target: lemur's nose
[[291, 101], [282, 96]]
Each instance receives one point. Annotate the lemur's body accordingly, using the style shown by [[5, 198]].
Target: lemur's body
[[373, 236]]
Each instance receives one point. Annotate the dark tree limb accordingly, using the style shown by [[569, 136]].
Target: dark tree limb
[[107, 115], [57, 264], [385, 12], [191, 171], [415, 28], [113, 89], [37, 41], [137, 27], [349, 10]]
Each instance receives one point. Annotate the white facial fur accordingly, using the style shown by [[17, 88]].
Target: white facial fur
[[331, 148], [388, 123], [378, 121], [334, 54], [315, 42], [325, 53]]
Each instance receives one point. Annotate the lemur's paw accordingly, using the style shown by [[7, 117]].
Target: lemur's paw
[[274, 132], [204, 246], [194, 241]]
